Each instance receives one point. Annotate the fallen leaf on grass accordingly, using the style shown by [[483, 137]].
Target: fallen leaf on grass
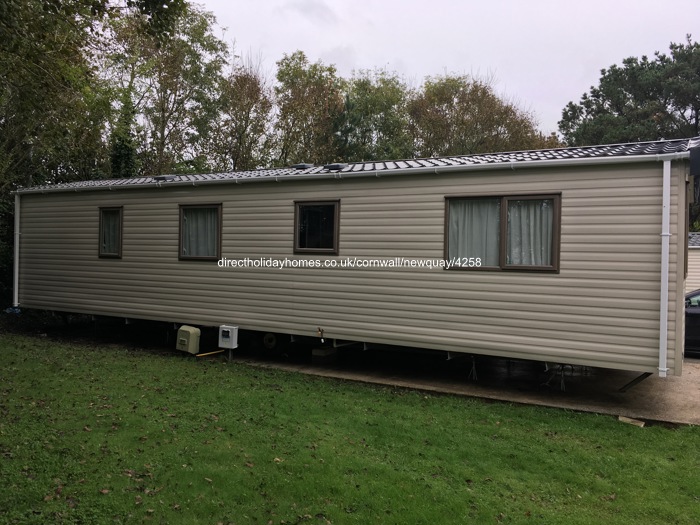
[[104, 491], [278, 460], [208, 480], [87, 428]]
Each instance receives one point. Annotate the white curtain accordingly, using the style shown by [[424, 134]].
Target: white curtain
[[473, 229], [200, 232], [529, 232], [110, 232]]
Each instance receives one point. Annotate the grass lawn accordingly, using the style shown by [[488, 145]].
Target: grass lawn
[[114, 435]]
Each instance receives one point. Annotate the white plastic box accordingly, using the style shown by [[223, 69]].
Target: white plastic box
[[228, 336]]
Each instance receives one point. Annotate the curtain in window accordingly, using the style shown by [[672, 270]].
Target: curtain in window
[[200, 232], [110, 232], [529, 232], [474, 229]]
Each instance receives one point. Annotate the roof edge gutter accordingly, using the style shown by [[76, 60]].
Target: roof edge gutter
[[513, 165]]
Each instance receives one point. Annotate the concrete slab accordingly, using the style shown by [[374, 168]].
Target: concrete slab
[[671, 399]]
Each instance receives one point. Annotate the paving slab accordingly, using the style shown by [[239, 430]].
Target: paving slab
[[672, 399]]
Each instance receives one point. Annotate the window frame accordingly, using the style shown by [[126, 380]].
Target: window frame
[[554, 267], [120, 224], [219, 228], [334, 250]]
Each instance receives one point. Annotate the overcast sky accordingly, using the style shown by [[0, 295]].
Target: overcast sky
[[540, 54]]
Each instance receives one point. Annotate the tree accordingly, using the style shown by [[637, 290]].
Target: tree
[[177, 79], [459, 115], [53, 108], [374, 122], [309, 100], [241, 132], [123, 146], [159, 16], [643, 99]]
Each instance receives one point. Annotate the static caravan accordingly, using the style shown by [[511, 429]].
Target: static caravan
[[692, 281], [572, 255]]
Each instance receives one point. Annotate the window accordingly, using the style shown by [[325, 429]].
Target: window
[[200, 231], [316, 226], [503, 233], [110, 232]]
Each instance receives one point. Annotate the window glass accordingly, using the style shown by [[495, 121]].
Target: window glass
[[110, 232], [506, 232], [529, 232], [474, 230], [316, 227], [199, 231]]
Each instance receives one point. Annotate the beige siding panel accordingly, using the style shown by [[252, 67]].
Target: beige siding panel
[[692, 282], [601, 309]]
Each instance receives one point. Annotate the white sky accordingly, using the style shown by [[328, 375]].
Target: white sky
[[540, 54]]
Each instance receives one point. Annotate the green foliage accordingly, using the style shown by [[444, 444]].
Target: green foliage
[[240, 130], [643, 99], [160, 16], [106, 434], [309, 101], [52, 109], [374, 122], [459, 115], [183, 74], [123, 147]]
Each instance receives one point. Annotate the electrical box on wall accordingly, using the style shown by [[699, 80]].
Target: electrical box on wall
[[228, 336], [188, 339]]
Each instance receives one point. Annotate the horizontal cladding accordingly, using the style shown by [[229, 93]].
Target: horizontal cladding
[[601, 308], [692, 282]]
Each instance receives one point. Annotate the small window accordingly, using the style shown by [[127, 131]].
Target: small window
[[200, 231], [316, 227], [110, 233], [503, 233]]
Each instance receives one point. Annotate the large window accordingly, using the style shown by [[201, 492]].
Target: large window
[[316, 226], [200, 231], [503, 233], [110, 232]]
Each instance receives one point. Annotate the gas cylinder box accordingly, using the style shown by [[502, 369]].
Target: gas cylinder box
[[188, 339]]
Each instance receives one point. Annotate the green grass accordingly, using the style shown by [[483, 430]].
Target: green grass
[[114, 435]]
